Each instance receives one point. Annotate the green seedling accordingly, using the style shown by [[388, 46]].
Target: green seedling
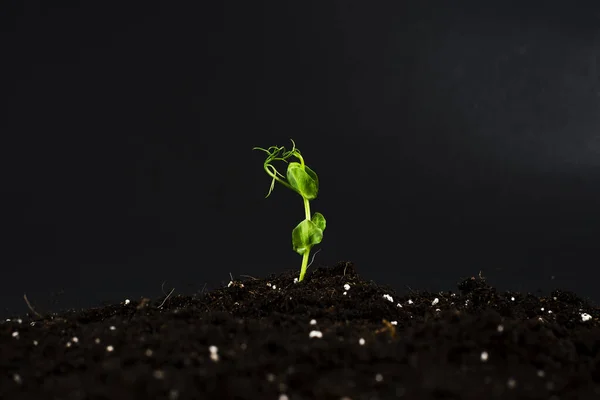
[[304, 181]]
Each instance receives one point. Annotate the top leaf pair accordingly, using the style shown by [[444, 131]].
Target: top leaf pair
[[300, 178]]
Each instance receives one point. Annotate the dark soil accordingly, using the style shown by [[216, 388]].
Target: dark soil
[[368, 345]]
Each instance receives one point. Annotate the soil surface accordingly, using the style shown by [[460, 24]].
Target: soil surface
[[332, 336]]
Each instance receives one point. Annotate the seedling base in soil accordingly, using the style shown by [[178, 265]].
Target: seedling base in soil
[[331, 336]]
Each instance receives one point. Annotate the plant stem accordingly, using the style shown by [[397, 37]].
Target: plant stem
[[304, 264], [307, 208]]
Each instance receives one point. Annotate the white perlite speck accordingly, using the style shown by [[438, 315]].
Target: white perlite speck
[[585, 317], [315, 334], [484, 356], [213, 353]]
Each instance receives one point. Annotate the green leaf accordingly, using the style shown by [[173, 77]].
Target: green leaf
[[305, 235], [303, 180], [313, 176], [319, 221]]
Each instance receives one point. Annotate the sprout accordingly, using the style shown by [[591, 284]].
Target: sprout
[[304, 181]]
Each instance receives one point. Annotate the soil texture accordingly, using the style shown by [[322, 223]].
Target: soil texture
[[331, 336]]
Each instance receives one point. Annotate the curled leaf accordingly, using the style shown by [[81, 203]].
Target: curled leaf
[[319, 220], [303, 180], [305, 235]]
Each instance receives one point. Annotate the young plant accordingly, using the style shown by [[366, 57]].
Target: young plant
[[304, 181]]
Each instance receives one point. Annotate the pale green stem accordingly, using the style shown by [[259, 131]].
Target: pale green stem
[[307, 208], [304, 264], [299, 157]]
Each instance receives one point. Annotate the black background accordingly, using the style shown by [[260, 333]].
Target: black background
[[448, 139]]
